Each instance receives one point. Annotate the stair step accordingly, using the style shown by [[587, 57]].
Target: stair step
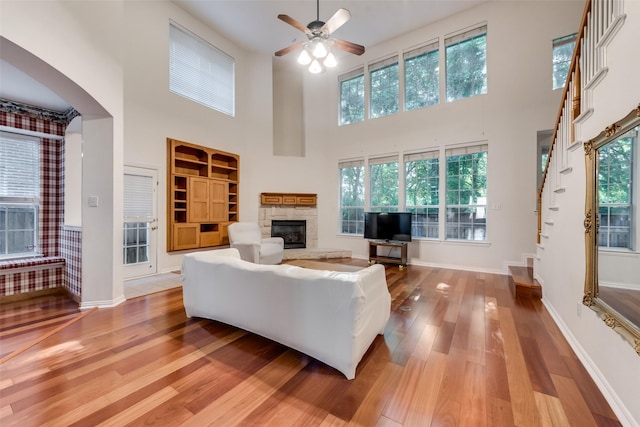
[[522, 282]]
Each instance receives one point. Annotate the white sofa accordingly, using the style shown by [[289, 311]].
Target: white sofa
[[331, 316]]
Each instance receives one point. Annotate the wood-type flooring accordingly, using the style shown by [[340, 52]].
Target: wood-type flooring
[[458, 350]]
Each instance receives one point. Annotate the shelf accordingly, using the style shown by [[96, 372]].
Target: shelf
[[294, 199], [374, 257], [202, 197]]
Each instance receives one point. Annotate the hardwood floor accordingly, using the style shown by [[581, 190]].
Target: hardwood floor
[[458, 350]]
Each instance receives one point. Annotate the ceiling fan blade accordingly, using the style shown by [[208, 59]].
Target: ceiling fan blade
[[356, 49], [289, 20], [286, 50], [337, 20]]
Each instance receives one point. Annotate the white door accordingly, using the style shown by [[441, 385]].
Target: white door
[[140, 230]]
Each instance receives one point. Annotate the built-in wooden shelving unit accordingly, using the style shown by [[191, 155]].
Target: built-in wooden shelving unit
[[202, 197]]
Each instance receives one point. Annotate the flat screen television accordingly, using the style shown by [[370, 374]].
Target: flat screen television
[[388, 226]]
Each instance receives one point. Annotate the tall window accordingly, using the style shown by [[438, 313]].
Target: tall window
[[615, 191], [200, 72], [466, 62], [562, 54], [467, 193], [352, 197], [19, 195], [421, 77], [383, 182], [385, 87], [352, 97], [422, 192]]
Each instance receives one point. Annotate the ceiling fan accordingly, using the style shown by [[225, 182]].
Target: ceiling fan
[[318, 46]]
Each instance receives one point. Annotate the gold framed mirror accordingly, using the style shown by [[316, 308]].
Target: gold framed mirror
[[612, 227]]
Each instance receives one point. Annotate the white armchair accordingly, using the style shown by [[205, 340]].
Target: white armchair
[[246, 237]]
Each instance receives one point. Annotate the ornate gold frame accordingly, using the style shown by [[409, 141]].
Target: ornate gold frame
[[611, 317]]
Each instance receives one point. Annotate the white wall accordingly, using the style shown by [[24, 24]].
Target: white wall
[[612, 362], [519, 103], [153, 113]]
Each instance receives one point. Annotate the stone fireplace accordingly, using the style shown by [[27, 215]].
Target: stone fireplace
[[294, 232], [283, 210]]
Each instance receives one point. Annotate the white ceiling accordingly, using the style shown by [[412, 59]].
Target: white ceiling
[[253, 25], [18, 86]]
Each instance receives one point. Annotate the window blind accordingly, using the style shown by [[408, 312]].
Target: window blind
[[425, 155], [383, 63], [351, 74], [465, 35], [564, 40], [471, 149], [201, 72], [19, 166], [344, 164], [383, 160], [138, 197], [430, 47]]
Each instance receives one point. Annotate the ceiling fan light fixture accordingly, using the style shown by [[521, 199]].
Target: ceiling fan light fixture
[[320, 50], [330, 60], [315, 67], [304, 58]]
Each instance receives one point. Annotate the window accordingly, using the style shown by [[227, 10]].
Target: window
[[466, 217], [352, 97], [466, 62], [562, 54], [615, 191], [421, 77], [138, 216], [383, 182], [352, 197], [384, 86], [422, 192], [200, 72], [19, 195]]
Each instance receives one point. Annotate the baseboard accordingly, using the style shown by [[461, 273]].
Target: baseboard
[[601, 381], [103, 303]]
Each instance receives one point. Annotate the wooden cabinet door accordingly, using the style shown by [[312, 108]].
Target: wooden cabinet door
[[218, 200], [186, 236], [198, 200]]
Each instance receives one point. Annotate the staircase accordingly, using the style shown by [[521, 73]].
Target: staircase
[[522, 283]]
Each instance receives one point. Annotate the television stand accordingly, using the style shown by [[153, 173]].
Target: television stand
[[375, 257]]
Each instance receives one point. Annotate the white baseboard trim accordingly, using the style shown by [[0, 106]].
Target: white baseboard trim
[[102, 304], [601, 381]]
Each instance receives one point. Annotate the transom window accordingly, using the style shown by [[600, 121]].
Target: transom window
[[384, 86], [19, 195], [383, 182], [200, 71], [466, 217], [562, 54], [466, 64], [352, 97], [422, 192], [421, 77], [352, 197]]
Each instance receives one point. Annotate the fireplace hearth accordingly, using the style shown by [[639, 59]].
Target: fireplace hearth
[[294, 232]]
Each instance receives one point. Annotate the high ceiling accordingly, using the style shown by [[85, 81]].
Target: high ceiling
[[253, 25]]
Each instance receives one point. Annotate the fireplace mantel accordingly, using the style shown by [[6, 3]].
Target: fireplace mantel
[[295, 199]]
